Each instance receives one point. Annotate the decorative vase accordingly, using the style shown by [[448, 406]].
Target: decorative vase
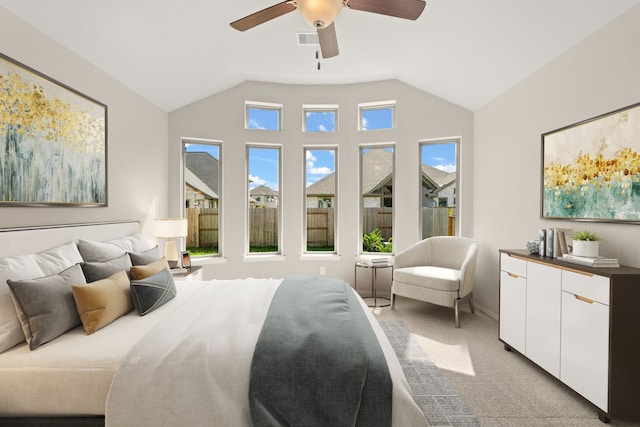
[[586, 248]]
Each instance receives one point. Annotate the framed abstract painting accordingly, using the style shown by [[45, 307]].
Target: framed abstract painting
[[591, 169], [53, 141]]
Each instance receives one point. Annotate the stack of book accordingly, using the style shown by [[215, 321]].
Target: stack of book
[[595, 262], [375, 260]]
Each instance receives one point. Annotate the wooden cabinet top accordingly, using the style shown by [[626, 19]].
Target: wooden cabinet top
[[623, 270]]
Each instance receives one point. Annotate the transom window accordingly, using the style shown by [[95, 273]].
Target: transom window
[[320, 118], [263, 115], [376, 115]]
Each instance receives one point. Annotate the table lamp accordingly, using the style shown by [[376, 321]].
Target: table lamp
[[169, 229]]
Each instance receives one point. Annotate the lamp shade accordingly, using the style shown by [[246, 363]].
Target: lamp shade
[[170, 227], [320, 13]]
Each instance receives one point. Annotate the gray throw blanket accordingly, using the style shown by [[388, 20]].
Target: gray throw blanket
[[317, 361]]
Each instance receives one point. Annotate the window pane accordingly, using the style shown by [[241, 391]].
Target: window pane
[[376, 190], [264, 199], [438, 188], [264, 118], [320, 177], [372, 118], [320, 121], [202, 197]]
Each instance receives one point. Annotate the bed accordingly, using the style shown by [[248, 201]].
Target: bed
[[212, 352]]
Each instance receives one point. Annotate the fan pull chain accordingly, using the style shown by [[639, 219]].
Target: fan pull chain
[[318, 58]]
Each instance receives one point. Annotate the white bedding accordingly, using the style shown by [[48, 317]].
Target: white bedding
[[81, 368]]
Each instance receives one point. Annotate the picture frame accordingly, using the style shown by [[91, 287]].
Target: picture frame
[[186, 260], [53, 141], [591, 169]]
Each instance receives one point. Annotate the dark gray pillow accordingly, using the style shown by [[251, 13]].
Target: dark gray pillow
[[146, 257], [101, 270], [45, 306], [153, 291]]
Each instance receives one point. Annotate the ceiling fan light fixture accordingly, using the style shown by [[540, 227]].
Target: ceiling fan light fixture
[[319, 13]]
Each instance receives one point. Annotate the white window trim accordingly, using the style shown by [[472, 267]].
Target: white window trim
[[456, 211], [263, 255], [219, 143], [378, 105], [361, 202], [263, 106], [335, 252], [319, 108]]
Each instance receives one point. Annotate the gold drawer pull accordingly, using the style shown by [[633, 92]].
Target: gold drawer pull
[[515, 276], [585, 299]]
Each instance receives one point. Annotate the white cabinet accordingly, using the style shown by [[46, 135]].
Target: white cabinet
[[580, 324], [585, 347], [543, 316]]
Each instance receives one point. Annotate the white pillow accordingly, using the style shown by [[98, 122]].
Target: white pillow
[[15, 268], [58, 259]]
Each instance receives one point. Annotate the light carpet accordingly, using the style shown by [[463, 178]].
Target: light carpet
[[440, 403]]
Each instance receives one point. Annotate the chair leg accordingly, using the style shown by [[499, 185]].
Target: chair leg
[[456, 307], [471, 306], [393, 301]]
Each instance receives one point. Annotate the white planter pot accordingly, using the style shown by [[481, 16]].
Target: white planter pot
[[586, 248]]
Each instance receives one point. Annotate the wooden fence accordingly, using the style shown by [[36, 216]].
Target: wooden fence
[[203, 225]]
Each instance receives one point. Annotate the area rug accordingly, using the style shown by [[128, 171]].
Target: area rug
[[439, 402]]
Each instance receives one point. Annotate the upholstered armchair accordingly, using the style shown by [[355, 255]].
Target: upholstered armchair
[[439, 270]]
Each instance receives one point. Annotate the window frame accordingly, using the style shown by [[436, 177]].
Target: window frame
[[456, 140], [258, 105], [306, 148], [378, 105], [319, 108], [279, 252], [183, 164], [361, 148]]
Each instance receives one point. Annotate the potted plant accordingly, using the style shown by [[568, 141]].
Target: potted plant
[[586, 244]]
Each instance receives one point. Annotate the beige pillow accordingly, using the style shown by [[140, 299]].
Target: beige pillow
[[101, 302], [139, 272]]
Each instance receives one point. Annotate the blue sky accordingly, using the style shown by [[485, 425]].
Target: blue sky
[[263, 162]]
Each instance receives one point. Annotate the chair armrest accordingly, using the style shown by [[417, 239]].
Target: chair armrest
[[417, 254], [467, 270]]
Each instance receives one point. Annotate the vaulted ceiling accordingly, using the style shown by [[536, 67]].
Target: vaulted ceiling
[[176, 52]]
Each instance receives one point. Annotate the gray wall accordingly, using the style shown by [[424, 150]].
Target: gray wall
[[137, 134], [599, 75], [221, 117]]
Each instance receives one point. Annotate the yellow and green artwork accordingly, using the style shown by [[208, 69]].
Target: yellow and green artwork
[[52, 141], [591, 170]]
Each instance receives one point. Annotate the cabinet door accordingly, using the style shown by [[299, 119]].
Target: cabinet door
[[584, 363], [543, 316], [513, 296]]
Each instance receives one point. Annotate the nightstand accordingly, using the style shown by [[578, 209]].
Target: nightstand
[[194, 274]]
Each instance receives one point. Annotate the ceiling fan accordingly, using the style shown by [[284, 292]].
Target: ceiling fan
[[321, 13]]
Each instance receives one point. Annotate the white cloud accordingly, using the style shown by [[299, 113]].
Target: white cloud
[[447, 167], [256, 181], [254, 124]]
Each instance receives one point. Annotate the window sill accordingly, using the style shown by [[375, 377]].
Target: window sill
[[263, 258], [207, 260], [320, 257]]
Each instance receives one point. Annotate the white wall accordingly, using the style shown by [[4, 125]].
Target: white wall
[[136, 134], [221, 117], [599, 75]]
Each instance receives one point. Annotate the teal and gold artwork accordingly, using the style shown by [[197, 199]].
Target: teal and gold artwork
[[591, 170]]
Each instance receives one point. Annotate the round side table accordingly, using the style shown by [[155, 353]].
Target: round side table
[[374, 281]]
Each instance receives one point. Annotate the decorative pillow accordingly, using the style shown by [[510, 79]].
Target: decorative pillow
[[14, 268], [152, 292], [138, 272], [101, 302], [55, 260], [146, 257], [101, 270], [92, 251], [45, 306]]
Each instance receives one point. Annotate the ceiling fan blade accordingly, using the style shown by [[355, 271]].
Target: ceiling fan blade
[[328, 41], [263, 16], [407, 9]]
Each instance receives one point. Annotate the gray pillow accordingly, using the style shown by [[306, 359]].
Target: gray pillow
[[153, 291], [146, 257], [94, 271], [98, 251], [45, 306]]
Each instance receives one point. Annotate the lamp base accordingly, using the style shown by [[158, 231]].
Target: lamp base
[[171, 253], [172, 264]]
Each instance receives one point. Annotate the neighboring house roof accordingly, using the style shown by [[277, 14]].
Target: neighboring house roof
[[377, 165], [204, 167], [196, 183], [323, 187], [438, 176], [262, 190]]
